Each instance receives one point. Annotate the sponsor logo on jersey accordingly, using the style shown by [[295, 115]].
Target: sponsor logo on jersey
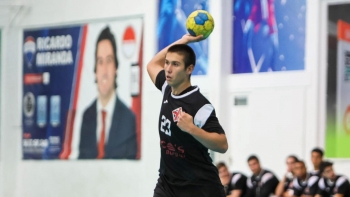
[[173, 149], [176, 114]]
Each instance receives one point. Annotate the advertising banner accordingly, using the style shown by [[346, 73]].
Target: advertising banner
[[268, 35], [82, 91], [338, 120]]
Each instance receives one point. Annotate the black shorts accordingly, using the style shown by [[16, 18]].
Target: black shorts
[[165, 190]]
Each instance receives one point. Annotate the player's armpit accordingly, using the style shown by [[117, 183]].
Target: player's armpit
[[338, 195], [153, 68]]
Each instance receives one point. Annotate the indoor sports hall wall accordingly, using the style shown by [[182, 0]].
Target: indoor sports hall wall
[[269, 114]]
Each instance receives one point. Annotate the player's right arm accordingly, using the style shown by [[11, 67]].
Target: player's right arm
[[280, 187], [157, 62]]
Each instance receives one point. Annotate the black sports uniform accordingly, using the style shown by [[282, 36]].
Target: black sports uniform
[[237, 182], [327, 188], [186, 169], [308, 187], [262, 185], [288, 185]]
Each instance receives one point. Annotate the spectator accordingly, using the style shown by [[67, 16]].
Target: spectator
[[304, 184], [331, 184], [263, 182], [316, 159], [234, 183], [285, 186]]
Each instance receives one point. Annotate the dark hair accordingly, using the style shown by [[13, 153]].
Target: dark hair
[[300, 161], [220, 165], [252, 157], [318, 150], [293, 157], [106, 34], [186, 51], [324, 165]]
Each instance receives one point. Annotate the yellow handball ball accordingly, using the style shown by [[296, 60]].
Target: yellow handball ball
[[200, 22]]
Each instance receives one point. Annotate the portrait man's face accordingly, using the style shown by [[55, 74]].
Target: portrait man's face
[[105, 68]]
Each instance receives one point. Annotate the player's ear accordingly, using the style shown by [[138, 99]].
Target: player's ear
[[190, 69]]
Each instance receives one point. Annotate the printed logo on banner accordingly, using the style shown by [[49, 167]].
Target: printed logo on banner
[[129, 42], [29, 50], [55, 107], [28, 104], [41, 110], [346, 121]]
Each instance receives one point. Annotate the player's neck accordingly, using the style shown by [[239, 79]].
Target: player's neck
[[176, 90], [104, 99], [304, 177]]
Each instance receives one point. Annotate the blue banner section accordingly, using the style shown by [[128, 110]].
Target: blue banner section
[[268, 35], [172, 16], [50, 61]]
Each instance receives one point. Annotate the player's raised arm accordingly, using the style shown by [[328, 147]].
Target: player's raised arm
[[157, 62]]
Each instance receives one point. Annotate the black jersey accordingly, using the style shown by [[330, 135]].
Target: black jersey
[[237, 182], [308, 187], [262, 185], [327, 188], [288, 184], [315, 173], [184, 160]]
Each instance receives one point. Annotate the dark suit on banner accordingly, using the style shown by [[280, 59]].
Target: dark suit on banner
[[121, 143]]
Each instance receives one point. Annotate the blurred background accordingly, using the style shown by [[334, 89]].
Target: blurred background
[[278, 76]]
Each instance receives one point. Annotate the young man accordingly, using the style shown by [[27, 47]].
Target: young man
[[235, 184], [284, 188], [108, 129], [263, 182], [188, 127], [305, 184], [331, 184], [316, 159]]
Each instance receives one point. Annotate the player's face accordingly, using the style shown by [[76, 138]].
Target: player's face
[[105, 68], [290, 163], [329, 173], [299, 170], [316, 159], [175, 71], [254, 166], [223, 173]]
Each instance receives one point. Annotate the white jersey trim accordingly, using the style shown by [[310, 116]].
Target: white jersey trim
[[312, 180], [340, 181], [184, 95], [164, 86], [321, 184], [202, 115], [249, 183], [266, 177], [235, 179], [296, 184]]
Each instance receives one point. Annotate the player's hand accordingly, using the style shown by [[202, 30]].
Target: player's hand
[[187, 38], [185, 122]]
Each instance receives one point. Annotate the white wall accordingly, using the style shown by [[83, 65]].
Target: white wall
[[282, 108]]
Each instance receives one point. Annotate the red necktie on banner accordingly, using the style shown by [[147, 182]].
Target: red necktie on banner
[[101, 142]]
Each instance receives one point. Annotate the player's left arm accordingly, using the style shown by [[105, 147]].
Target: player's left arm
[[212, 140]]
